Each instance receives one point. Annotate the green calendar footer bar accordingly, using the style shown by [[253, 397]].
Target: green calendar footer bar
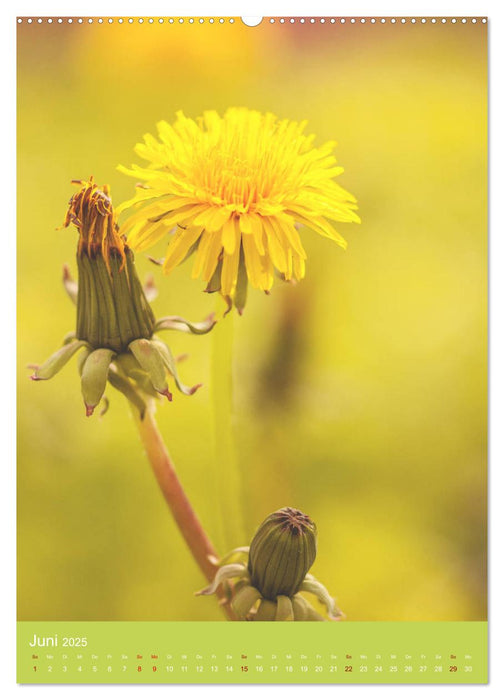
[[267, 652]]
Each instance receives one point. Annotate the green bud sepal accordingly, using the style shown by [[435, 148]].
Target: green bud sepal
[[122, 384], [177, 323], [57, 361], [94, 377], [150, 360], [311, 585], [170, 365], [225, 572]]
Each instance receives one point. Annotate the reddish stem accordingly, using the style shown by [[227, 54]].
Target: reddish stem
[[192, 531]]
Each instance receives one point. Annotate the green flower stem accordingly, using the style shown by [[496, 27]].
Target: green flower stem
[[227, 478], [187, 521]]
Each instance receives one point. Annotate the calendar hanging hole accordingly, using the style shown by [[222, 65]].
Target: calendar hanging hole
[[251, 21]]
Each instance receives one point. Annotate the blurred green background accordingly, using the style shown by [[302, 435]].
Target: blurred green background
[[359, 395]]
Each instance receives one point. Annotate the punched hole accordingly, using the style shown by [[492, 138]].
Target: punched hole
[[251, 21]]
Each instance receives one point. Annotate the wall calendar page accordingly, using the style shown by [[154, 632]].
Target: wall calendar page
[[252, 350]]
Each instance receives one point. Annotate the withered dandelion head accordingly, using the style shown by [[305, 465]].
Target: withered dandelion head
[[90, 211], [116, 328], [235, 190]]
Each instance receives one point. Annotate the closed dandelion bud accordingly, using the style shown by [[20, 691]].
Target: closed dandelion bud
[[281, 553], [272, 574]]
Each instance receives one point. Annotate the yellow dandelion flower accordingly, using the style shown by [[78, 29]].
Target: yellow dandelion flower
[[235, 190]]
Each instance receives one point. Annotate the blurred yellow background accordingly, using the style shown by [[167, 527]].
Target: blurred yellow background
[[360, 394]]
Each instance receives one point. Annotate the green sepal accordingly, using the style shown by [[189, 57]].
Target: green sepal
[[240, 296], [123, 385], [58, 360], [284, 612], [223, 573], [304, 612], [229, 303], [244, 599], [94, 377], [214, 284], [129, 367], [191, 250], [127, 363], [69, 337], [311, 585], [142, 380], [299, 608], [170, 364], [239, 554], [177, 323], [266, 612], [81, 360], [150, 359]]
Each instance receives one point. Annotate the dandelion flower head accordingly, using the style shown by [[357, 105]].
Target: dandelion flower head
[[234, 190]]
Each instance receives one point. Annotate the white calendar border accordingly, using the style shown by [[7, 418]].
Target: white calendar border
[[7, 282], [277, 8]]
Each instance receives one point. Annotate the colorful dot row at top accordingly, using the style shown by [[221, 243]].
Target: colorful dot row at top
[[272, 20]]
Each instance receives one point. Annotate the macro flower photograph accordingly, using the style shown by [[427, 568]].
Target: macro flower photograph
[[251, 322]]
